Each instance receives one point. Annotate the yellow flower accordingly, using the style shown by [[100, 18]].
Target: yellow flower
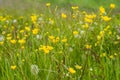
[[27, 28], [46, 49], [74, 16], [90, 16], [115, 54], [88, 46], [63, 15], [78, 67], [13, 67], [75, 32], [8, 34], [103, 55], [9, 37], [75, 7], [21, 41], [34, 18], [88, 20], [22, 47], [51, 21], [84, 12], [99, 37], [71, 70], [86, 26], [48, 4], [111, 57], [109, 32], [12, 27], [102, 10], [105, 29], [13, 41], [64, 40], [112, 6], [23, 60], [35, 31], [21, 31], [49, 47], [56, 40], [102, 33], [51, 37], [106, 18], [1, 42]]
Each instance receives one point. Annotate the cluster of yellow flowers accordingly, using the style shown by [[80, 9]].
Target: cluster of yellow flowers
[[102, 34], [54, 39], [103, 13], [112, 56], [89, 18], [46, 49], [22, 34], [75, 7], [106, 18], [72, 70]]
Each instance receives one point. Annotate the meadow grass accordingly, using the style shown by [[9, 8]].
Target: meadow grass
[[60, 44]]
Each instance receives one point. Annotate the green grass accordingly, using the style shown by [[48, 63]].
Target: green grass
[[22, 7], [43, 45]]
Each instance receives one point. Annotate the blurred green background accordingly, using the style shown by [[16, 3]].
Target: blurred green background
[[24, 6]]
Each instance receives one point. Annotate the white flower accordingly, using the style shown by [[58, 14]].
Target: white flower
[[91, 69], [7, 21], [40, 19], [14, 21], [76, 36], [70, 49], [1, 38], [81, 22], [39, 36], [82, 32], [118, 37], [34, 69]]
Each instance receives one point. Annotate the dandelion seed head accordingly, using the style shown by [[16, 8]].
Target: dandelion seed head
[[34, 69]]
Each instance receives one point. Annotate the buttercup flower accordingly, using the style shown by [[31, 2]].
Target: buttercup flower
[[13, 41], [71, 70], [35, 31], [75, 7], [13, 67], [75, 32], [48, 4], [63, 15], [112, 6], [88, 46], [102, 10], [78, 67], [106, 18]]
